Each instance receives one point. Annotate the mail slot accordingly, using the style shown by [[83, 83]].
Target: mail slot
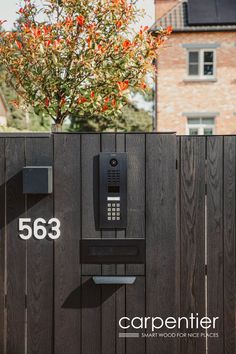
[[113, 251]]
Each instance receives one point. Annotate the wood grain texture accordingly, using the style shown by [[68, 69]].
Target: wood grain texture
[[160, 233], [39, 152], [120, 147], [91, 295], [91, 339], [108, 307], [16, 248], [120, 270], [135, 148], [135, 307], [108, 325], [67, 191], [229, 245], [215, 252], [178, 235], [120, 312], [192, 234], [2, 246], [108, 144], [90, 148]]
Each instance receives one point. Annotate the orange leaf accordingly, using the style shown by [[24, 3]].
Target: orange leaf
[[48, 43], [169, 29], [143, 85], [80, 20], [63, 101], [81, 100], [119, 24], [89, 41], [123, 85], [105, 108], [19, 45], [69, 21], [47, 102], [126, 44]]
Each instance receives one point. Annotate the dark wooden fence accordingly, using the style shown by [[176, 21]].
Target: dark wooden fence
[[181, 199]]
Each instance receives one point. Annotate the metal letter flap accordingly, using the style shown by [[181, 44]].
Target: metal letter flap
[[106, 280]]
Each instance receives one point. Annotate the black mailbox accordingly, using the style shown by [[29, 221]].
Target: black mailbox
[[37, 180], [110, 251], [113, 190]]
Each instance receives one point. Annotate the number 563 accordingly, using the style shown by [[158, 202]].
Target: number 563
[[39, 228]]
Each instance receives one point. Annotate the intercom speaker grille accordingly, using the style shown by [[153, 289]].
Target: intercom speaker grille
[[113, 176]]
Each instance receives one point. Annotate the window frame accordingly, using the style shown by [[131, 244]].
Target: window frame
[[201, 126], [201, 75]]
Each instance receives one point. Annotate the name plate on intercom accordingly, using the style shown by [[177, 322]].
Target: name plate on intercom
[[112, 190], [112, 251]]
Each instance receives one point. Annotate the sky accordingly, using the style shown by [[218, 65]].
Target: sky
[[9, 7]]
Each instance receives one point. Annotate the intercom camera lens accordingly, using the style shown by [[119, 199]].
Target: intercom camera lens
[[113, 162]]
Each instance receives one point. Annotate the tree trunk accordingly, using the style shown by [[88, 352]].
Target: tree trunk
[[56, 128]]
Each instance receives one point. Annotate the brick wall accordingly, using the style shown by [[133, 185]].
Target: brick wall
[[176, 96]]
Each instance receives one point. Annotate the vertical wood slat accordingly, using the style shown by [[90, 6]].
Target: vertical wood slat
[[90, 149], [2, 245], [120, 270], [120, 147], [108, 144], [135, 307], [67, 248], [178, 234], [135, 148], [39, 152], [120, 312], [16, 248], [91, 341], [161, 233], [91, 295], [229, 245], [192, 236], [215, 228]]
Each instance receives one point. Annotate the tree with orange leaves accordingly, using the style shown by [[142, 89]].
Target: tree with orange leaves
[[82, 56]]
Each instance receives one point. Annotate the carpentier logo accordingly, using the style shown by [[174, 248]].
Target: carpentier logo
[[192, 326]]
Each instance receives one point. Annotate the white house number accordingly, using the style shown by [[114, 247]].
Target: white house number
[[39, 228]]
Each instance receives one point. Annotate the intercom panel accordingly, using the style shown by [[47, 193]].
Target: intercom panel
[[113, 190]]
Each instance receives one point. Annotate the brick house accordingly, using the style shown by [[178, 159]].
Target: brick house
[[196, 83], [3, 111]]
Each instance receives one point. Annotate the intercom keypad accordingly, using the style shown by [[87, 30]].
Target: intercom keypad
[[113, 211]]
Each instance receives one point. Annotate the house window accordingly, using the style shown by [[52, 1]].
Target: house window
[[201, 126], [201, 63]]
